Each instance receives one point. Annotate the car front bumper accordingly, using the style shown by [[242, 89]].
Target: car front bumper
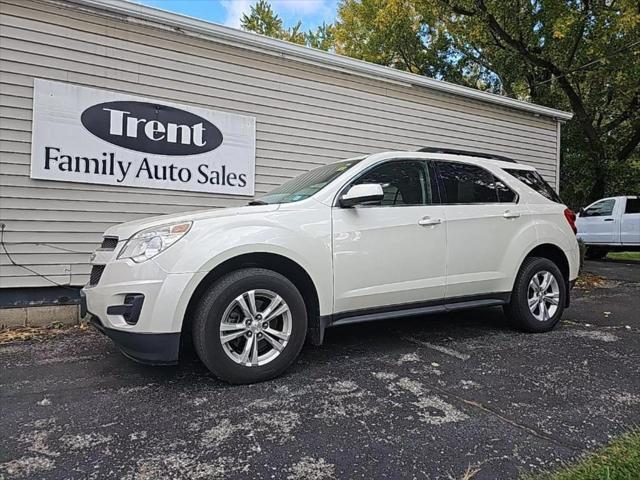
[[140, 307], [147, 348]]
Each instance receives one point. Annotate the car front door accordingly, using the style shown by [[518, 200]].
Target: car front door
[[597, 223], [485, 230], [391, 255]]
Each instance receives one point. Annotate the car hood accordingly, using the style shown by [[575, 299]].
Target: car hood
[[125, 230]]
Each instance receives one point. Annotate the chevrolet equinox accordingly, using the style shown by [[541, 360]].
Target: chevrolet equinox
[[374, 237]]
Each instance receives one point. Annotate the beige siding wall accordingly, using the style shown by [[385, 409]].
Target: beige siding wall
[[306, 116]]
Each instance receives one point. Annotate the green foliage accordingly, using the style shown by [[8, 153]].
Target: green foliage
[[394, 34], [323, 38], [263, 20], [620, 460], [581, 56], [625, 256]]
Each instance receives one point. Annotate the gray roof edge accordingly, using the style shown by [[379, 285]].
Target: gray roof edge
[[297, 52]]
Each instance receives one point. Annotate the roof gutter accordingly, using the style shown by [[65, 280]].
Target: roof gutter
[[137, 13]]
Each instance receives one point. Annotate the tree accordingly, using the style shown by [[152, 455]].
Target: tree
[[322, 39], [578, 55], [568, 54], [263, 20], [395, 33], [584, 55]]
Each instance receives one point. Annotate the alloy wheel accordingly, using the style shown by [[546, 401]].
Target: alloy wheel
[[255, 327], [543, 295]]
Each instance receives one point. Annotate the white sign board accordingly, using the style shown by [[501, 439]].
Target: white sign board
[[95, 136]]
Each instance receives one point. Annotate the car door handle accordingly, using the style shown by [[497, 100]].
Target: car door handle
[[509, 214], [426, 221], [608, 219]]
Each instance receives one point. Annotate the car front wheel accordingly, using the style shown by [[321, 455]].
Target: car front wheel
[[250, 326], [538, 297]]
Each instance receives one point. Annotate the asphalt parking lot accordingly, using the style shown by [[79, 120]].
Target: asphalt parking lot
[[421, 398]]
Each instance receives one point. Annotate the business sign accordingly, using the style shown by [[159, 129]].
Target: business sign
[[95, 136]]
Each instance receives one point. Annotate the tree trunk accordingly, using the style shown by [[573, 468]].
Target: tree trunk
[[599, 187]]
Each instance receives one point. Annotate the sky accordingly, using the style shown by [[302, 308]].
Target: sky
[[228, 12]]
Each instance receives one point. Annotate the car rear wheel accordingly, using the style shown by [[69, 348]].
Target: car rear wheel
[[538, 297], [250, 326]]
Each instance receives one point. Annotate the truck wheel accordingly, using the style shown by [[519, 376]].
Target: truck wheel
[[538, 296], [596, 253], [250, 326]]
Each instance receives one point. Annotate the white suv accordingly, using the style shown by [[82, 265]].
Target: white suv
[[379, 236]]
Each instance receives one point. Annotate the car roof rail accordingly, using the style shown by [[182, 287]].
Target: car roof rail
[[455, 151]]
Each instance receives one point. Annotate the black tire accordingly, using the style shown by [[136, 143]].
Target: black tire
[[208, 316], [518, 309], [596, 253]]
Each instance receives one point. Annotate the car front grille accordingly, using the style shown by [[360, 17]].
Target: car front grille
[[109, 243], [96, 273]]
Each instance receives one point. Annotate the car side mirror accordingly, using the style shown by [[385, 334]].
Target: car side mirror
[[581, 212], [363, 194]]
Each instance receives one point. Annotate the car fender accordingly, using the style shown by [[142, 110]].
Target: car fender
[[311, 252], [521, 244], [555, 230]]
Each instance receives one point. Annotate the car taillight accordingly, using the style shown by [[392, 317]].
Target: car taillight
[[571, 218]]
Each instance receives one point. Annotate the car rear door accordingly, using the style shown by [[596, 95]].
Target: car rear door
[[599, 223], [484, 230], [391, 255], [630, 222]]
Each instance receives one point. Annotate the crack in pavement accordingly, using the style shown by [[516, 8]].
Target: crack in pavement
[[439, 348], [526, 428]]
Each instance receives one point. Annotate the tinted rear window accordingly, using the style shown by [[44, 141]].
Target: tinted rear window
[[505, 194], [533, 179], [464, 183], [633, 205]]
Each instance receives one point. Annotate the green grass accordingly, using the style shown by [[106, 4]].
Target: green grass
[[624, 256], [619, 460]]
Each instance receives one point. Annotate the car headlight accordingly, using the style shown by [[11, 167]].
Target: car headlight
[[150, 242]]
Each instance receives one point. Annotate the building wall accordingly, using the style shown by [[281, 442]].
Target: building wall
[[306, 116]]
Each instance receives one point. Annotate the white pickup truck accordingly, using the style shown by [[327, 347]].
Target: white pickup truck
[[610, 224]]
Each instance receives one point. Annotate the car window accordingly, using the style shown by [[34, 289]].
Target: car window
[[633, 206], [465, 183], [602, 208], [404, 182], [505, 194], [534, 180]]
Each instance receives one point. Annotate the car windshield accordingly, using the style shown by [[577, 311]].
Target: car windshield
[[307, 184]]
